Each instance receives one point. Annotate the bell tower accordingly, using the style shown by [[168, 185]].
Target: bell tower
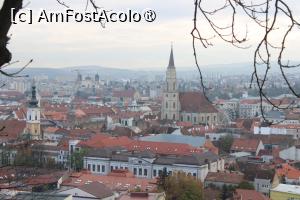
[[170, 103], [33, 117]]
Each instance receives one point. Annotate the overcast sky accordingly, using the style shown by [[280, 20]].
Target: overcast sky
[[126, 45]]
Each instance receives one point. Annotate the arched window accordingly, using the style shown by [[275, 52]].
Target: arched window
[[29, 117]]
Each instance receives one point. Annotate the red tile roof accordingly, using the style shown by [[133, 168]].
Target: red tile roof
[[163, 148], [12, 129], [223, 177], [113, 182], [101, 140], [195, 102], [242, 194], [124, 93], [288, 171], [21, 113], [247, 145]]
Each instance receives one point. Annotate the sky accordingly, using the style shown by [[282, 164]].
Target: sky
[[141, 45]]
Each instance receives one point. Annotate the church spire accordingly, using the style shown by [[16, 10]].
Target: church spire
[[33, 101], [171, 60]]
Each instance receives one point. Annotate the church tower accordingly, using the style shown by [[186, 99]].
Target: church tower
[[33, 118], [170, 103]]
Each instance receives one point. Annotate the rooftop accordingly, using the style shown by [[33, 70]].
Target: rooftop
[[286, 188]]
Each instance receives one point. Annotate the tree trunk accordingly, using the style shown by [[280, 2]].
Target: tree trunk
[[5, 24]]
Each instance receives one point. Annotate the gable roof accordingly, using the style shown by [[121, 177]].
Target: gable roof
[[98, 190], [195, 102], [12, 129], [247, 145], [242, 194], [222, 177]]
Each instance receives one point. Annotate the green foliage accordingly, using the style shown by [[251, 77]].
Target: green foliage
[[77, 159], [24, 157], [225, 143], [246, 185], [180, 186]]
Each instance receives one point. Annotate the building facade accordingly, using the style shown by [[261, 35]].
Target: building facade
[[33, 117], [148, 165]]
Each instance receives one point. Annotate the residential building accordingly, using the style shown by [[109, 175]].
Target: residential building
[[285, 192], [251, 146]]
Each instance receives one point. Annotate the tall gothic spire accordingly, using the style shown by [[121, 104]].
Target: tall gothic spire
[[171, 60]]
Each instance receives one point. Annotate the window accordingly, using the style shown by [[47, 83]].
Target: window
[[194, 174], [134, 171], [159, 172], [154, 172], [36, 117], [181, 118], [166, 104], [94, 168], [207, 118], [89, 167], [214, 118], [140, 162], [195, 119], [174, 85], [29, 117], [174, 105], [140, 172], [103, 168], [166, 116], [98, 168], [145, 172], [111, 168], [173, 116], [188, 118]]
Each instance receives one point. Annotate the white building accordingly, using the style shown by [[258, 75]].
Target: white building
[[148, 165]]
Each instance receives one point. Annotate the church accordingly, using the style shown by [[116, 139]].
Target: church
[[191, 106], [33, 117]]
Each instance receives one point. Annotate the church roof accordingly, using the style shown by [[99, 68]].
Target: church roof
[[195, 102], [171, 60]]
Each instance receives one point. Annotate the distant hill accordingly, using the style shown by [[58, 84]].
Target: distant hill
[[141, 73]]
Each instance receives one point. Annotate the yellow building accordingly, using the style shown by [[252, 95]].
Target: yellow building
[[33, 123], [285, 192]]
